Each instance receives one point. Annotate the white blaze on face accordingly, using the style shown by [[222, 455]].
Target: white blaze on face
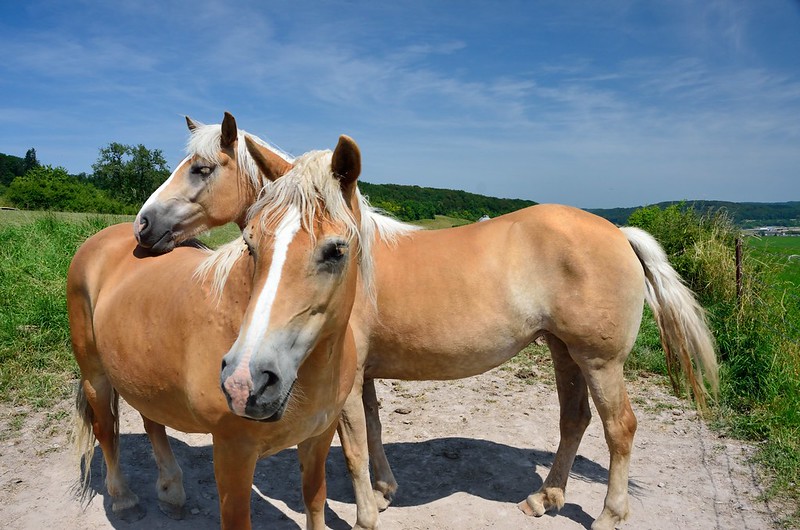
[[152, 198], [284, 235], [240, 383]]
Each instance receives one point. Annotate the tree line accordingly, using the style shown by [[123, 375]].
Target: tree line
[[411, 203], [122, 178], [125, 175]]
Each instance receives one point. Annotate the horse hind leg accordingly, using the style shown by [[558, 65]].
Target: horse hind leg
[[101, 409], [607, 386], [384, 484], [575, 416], [169, 487]]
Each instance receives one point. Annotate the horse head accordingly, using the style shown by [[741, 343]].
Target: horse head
[[303, 234], [215, 184]]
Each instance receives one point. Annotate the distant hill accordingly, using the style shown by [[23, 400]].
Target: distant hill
[[411, 203], [743, 214]]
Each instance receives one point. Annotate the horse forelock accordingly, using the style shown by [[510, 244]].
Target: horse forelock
[[205, 141], [311, 189]]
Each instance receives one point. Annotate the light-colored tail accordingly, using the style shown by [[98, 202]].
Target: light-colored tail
[[83, 439], [685, 335]]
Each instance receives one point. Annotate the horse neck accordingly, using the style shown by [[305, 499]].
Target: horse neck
[[248, 197]]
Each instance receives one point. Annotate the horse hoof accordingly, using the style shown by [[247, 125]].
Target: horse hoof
[[171, 510], [131, 514], [532, 507], [383, 500]]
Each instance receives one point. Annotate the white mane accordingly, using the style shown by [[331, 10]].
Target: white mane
[[205, 142], [306, 186]]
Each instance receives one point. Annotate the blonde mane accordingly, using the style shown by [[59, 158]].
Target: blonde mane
[[205, 142], [306, 187]]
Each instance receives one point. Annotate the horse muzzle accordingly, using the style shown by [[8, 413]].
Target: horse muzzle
[[260, 395], [152, 233]]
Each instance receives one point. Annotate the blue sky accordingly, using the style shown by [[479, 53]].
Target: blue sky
[[593, 104]]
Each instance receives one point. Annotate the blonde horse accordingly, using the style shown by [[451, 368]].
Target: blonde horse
[[145, 328], [454, 303]]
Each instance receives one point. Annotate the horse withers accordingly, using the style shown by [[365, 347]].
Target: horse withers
[[271, 309]]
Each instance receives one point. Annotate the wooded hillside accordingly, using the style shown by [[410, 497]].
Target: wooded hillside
[[411, 203], [743, 214]]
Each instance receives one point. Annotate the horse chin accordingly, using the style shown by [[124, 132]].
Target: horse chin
[[281, 410], [164, 244]]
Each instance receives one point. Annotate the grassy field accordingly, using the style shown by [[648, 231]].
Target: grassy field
[[778, 250], [441, 221], [19, 217]]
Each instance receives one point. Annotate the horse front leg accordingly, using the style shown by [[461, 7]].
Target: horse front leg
[[574, 418], [171, 495], [312, 454], [234, 467], [384, 483], [353, 435]]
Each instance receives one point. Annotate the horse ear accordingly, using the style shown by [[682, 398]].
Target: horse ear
[[229, 131], [271, 165], [346, 163], [191, 123]]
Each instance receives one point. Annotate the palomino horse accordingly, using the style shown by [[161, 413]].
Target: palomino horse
[[457, 302], [144, 328]]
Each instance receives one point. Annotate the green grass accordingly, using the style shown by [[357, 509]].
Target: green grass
[[20, 217], [777, 250], [440, 221], [758, 338], [36, 364]]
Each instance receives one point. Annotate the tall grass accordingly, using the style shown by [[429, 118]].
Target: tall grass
[[36, 364], [757, 333]]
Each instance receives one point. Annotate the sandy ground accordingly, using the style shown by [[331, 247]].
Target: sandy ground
[[464, 452]]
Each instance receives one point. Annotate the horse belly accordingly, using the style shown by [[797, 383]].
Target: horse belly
[[451, 353]]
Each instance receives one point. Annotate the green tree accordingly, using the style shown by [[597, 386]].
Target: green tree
[[30, 160], [10, 168], [129, 173]]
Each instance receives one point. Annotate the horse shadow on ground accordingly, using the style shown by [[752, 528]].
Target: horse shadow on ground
[[426, 471]]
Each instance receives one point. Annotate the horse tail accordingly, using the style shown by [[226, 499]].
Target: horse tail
[[83, 441], [685, 335], [83, 438]]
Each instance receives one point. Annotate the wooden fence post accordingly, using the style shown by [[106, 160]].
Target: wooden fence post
[[739, 270]]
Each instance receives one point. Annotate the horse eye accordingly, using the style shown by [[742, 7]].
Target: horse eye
[[203, 171], [333, 253]]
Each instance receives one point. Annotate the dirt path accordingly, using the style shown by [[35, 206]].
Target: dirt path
[[464, 453]]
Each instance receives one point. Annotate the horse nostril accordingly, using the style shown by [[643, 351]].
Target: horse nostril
[[272, 378], [143, 224], [224, 364]]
